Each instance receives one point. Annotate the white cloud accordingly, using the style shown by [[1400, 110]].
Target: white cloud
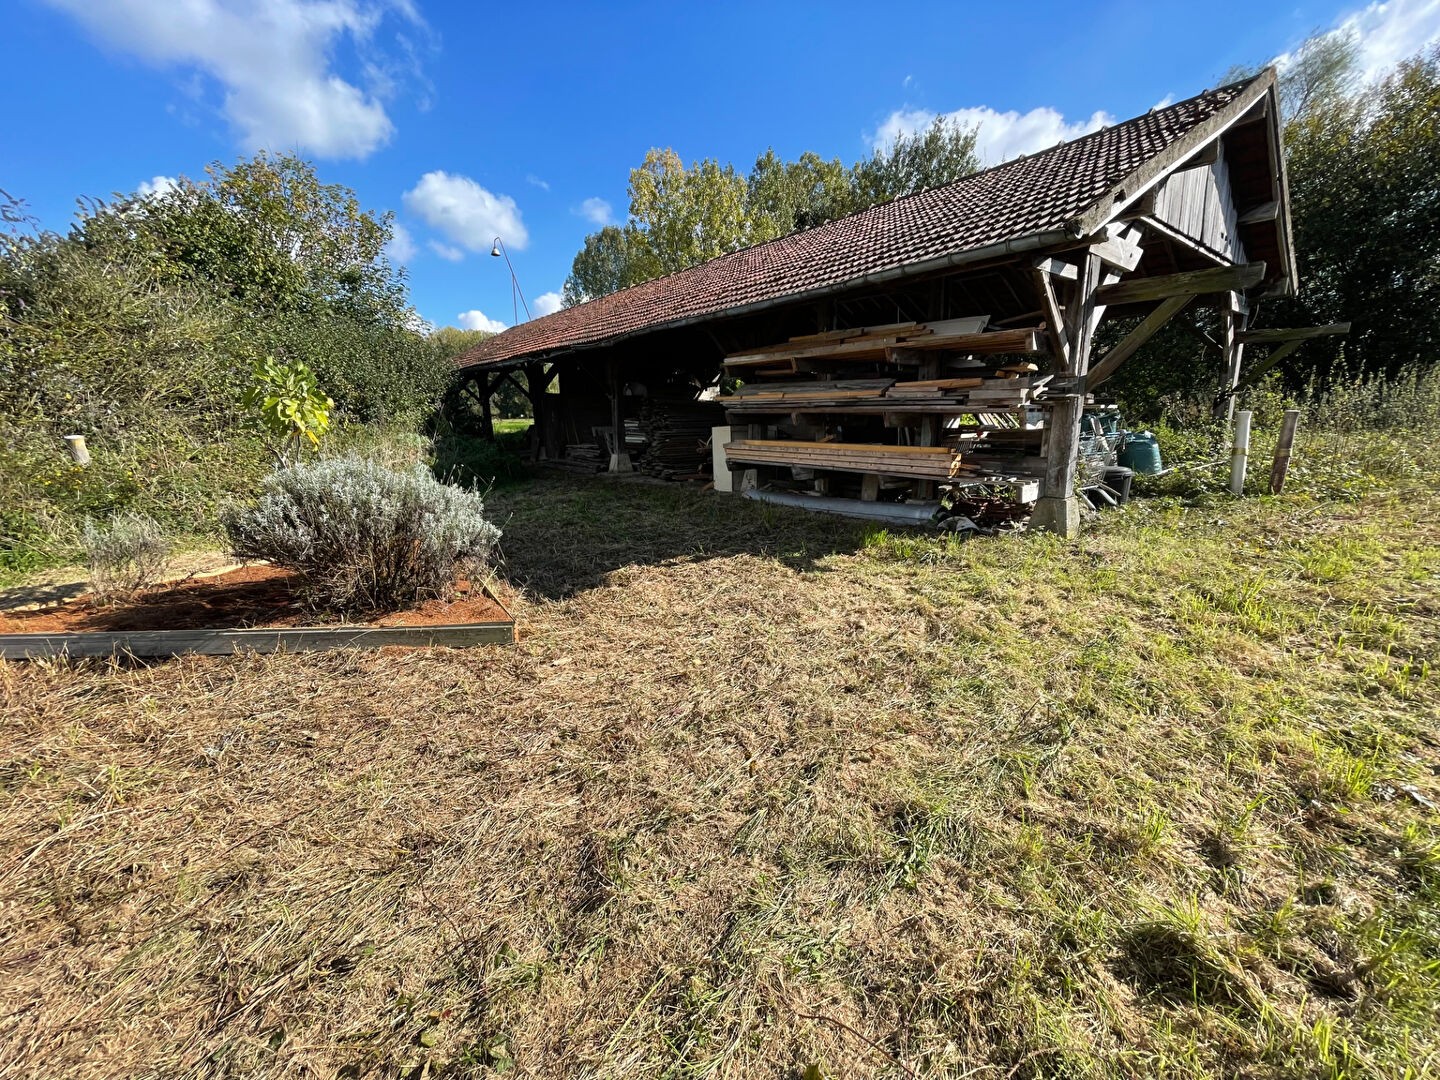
[[400, 248], [1001, 135], [465, 212], [158, 185], [445, 251], [535, 181], [597, 211], [478, 320], [547, 303], [272, 60], [1386, 33]]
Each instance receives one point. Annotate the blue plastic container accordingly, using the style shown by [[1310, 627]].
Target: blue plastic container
[[1140, 452]]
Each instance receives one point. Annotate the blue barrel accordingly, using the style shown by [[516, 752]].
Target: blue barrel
[[1140, 452]]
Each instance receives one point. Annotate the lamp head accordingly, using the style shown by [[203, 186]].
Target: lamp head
[[495, 249]]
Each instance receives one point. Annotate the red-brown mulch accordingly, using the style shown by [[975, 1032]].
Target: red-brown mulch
[[251, 596]]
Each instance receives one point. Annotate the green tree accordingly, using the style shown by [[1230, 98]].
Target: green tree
[[943, 152], [265, 231], [1366, 210], [785, 196], [680, 217], [611, 260], [687, 215]]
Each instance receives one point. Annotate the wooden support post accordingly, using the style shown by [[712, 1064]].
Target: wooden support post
[[870, 487], [620, 457], [1282, 451], [487, 414], [929, 427], [534, 374], [1058, 509], [1232, 322]]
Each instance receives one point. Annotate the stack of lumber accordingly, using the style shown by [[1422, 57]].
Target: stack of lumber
[[919, 462], [912, 462], [677, 431], [790, 396], [1005, 387], [899, 343], [583, 457]]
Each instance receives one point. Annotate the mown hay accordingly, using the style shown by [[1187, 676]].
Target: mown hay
[[753, 797]]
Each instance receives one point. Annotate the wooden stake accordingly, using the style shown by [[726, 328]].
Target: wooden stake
[[1282, 451]]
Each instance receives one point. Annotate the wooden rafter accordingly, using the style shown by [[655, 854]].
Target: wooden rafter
[[1304, 333]]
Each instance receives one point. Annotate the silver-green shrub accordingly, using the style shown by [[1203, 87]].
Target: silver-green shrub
[[124, 556], [363, 537]]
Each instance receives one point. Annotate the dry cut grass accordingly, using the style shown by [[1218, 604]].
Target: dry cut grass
[[759, 794]]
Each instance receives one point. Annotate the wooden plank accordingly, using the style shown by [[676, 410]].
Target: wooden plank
[[225, 642], [1303, 333], [1132, 341], [1193, 282]]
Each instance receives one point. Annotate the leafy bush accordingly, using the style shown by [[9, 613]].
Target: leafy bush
[[124, 556], [363, 537]]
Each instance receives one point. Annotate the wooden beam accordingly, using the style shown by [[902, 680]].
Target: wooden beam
[[1054, 321], [1120, 248], [1132, 341], [1277, 354], [1304, 333], [1175, 236], [1231, 322], [1193, 282], [1058, 268], [1266, 211]]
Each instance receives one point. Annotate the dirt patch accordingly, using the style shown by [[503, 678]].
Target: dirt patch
[[51, 588], [250, 596]]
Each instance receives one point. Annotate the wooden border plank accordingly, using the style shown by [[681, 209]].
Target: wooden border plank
[[159, 643]]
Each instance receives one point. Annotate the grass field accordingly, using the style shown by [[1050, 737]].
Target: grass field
[[765, 795]]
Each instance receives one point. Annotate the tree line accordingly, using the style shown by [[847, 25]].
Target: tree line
[[680, 216]]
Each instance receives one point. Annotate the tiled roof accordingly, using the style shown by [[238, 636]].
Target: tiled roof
[[1036, 194]]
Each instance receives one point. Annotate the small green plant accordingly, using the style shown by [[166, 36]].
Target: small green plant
[[124, 556], [363, 537], [290, 405]]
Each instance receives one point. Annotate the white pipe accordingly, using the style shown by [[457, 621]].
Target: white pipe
[[918, 513], [76, 445], [1240, 452]]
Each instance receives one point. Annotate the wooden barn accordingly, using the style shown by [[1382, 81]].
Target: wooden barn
[[939, 340]]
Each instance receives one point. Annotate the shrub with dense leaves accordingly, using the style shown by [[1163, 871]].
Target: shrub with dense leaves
[[363, 537]]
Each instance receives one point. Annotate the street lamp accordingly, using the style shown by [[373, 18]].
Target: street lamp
[[497, 249]]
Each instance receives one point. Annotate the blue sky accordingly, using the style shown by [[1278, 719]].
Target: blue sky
[[471, 119]]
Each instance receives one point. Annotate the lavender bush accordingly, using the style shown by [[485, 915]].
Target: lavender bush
[[362, 537]]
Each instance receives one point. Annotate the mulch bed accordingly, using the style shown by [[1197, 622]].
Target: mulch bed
[[248, 597]]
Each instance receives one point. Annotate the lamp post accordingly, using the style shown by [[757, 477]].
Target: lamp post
[[497, 249]]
